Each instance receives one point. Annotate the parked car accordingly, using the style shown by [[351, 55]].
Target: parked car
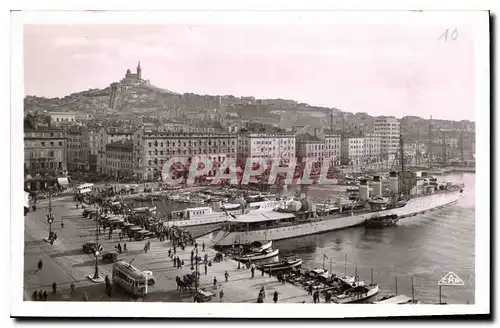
[[110, 257], [89, 247]]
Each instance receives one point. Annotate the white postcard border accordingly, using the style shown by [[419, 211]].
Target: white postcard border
[[89, 309]]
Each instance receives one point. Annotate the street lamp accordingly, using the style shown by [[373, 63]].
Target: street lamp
[[98, 248], [50, 219], [196, 276]]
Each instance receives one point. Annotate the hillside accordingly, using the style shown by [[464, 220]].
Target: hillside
[[144, 97]]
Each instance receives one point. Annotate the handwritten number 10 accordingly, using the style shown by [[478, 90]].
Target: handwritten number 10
[[449, 36]]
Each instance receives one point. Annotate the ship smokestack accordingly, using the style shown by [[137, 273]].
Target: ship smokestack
[[394, 182], [377, 186], [363, 190]]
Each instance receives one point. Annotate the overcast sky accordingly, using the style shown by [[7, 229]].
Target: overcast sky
[[380, 70]]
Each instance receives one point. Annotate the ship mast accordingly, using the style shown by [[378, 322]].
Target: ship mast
[[402, 163], [430, 143]]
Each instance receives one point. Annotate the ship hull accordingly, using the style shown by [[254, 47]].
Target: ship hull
[[415, 206]]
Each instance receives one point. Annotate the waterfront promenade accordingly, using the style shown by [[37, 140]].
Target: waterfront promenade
[[66, 263]]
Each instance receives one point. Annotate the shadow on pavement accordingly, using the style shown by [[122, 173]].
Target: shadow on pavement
[[33, 243], [67, 253]]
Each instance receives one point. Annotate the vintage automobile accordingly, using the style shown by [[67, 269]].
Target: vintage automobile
[[89, 247], [143, 234], [110, 257], [88, 211]]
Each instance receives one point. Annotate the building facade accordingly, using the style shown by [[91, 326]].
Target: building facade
[[153, 149], [269, 145], [119, 159], [333, 148], [372, 148], [74, 154], [90, 148], [352, 150], [106, 136], [363, 150], [389, 130], [44, 149], [58, 118], [310, 147]]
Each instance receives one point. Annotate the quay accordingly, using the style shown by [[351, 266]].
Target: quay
[[65, 263]]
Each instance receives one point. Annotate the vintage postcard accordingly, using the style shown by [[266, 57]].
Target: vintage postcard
[[325, 163]]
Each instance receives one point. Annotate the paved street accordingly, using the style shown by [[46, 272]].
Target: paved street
[[65, 263]]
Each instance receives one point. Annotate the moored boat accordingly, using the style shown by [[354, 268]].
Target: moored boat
[[252, 257], [378, 222], [283, 265], [357, 294]]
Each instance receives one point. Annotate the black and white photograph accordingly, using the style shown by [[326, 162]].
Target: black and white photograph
[[326, 163]]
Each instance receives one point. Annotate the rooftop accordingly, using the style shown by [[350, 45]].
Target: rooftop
[[121, 144]]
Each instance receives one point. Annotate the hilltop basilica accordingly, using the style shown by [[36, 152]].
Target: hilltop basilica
[[130, 80]]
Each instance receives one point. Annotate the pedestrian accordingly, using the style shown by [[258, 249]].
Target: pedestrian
[[263, 270], [221, 295], [215, 282], [262, 290], [316, 297], [310, 289], [169, 252], [226, 275], [124, 247], [45, 296], [275, 296], [192, 255], [72, 288], [54, 287], [35, 296], [203, 247], [175, 261], [252, 269], [206, 269], [40, 295], [40, 265]]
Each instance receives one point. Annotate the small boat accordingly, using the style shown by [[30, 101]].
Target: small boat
[[283, 265], [140, 210], [358, 294], [251, 257], [396, 299], [260, 246], [378, 222]]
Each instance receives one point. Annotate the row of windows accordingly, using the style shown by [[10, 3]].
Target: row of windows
[[34, 155], [268, 142], [119, 164], [189, 151], [43, 143], [42, 165], [200, 142], [65, 119], [119, 156]]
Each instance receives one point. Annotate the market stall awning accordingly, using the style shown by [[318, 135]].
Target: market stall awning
[[63, 181]]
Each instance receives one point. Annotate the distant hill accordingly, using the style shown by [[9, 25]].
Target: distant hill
[[143, 96]]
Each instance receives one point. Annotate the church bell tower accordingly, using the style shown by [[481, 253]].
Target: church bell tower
[[139, 71]]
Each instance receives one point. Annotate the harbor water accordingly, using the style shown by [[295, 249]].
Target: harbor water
[[425, 247]]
